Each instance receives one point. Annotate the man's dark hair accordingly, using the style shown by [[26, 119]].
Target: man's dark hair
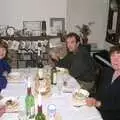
[[115, 48], [72, 34]]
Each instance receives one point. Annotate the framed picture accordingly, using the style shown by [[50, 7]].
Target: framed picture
[[57, 25], [32, 26]]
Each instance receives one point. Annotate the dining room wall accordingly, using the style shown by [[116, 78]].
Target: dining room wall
[[14, 12], [83, 11], [76, 12]]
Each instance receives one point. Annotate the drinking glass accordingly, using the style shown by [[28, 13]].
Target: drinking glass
[[27, 73], [59, 82], [51, 111], [47, 72]]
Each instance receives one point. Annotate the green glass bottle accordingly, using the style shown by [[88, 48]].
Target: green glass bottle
[[40, 115], [29, 102]]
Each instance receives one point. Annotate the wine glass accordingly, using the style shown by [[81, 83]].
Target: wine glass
[[59, 83]]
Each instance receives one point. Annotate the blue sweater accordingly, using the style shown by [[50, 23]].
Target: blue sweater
[[4, 67]]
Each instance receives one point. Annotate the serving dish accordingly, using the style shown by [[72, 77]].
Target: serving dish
[[79, 97]]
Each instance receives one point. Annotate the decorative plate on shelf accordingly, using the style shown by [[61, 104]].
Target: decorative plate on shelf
[[10, 31]]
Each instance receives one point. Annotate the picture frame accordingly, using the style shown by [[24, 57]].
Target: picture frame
[[57, 25], [32, 26]]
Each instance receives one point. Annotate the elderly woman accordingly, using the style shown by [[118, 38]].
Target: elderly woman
[[107, 99]]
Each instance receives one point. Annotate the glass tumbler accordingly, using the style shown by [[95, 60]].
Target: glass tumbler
[[51, 111]]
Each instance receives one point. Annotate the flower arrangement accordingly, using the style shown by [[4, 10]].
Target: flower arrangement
[[84, 32]]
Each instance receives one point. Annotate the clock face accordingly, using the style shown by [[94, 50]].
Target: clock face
[[10, 31]]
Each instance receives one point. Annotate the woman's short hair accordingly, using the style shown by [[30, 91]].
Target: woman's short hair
[[3, 44], [72, 34], [115, 48]]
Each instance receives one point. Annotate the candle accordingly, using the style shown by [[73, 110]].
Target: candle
[[39, 103], [39, 100]]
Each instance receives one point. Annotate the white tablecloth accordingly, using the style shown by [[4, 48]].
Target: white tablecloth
[[63, 102]]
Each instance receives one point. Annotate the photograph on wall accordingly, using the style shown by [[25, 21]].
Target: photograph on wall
[[57, 25], [32, 28]]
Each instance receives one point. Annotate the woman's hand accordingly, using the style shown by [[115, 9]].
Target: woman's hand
[[93, 102], [5, 73]]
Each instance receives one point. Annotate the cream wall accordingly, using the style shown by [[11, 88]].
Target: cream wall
[[14, 12], [83, 11]]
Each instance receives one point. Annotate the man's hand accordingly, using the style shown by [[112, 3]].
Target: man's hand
[[93, 102]]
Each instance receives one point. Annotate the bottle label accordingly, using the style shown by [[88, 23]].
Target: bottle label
[[40, 73]]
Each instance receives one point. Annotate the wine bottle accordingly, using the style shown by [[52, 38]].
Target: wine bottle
[[43, 28], [40, 115], [29, 102], [53, 75]]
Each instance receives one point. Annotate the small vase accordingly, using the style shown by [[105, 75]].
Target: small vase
[[85, 40]]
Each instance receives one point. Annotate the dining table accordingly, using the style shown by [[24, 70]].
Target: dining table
[[62, 100]]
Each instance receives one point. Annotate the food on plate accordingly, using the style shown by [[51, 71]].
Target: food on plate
[[11, 104], [80, 94]]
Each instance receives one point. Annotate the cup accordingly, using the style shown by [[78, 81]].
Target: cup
[[51, 111], [59, 79]]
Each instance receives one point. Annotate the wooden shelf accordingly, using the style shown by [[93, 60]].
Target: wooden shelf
[[35, 38], [27, 59]]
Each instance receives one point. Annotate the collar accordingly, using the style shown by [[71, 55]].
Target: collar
[[116, 74]]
